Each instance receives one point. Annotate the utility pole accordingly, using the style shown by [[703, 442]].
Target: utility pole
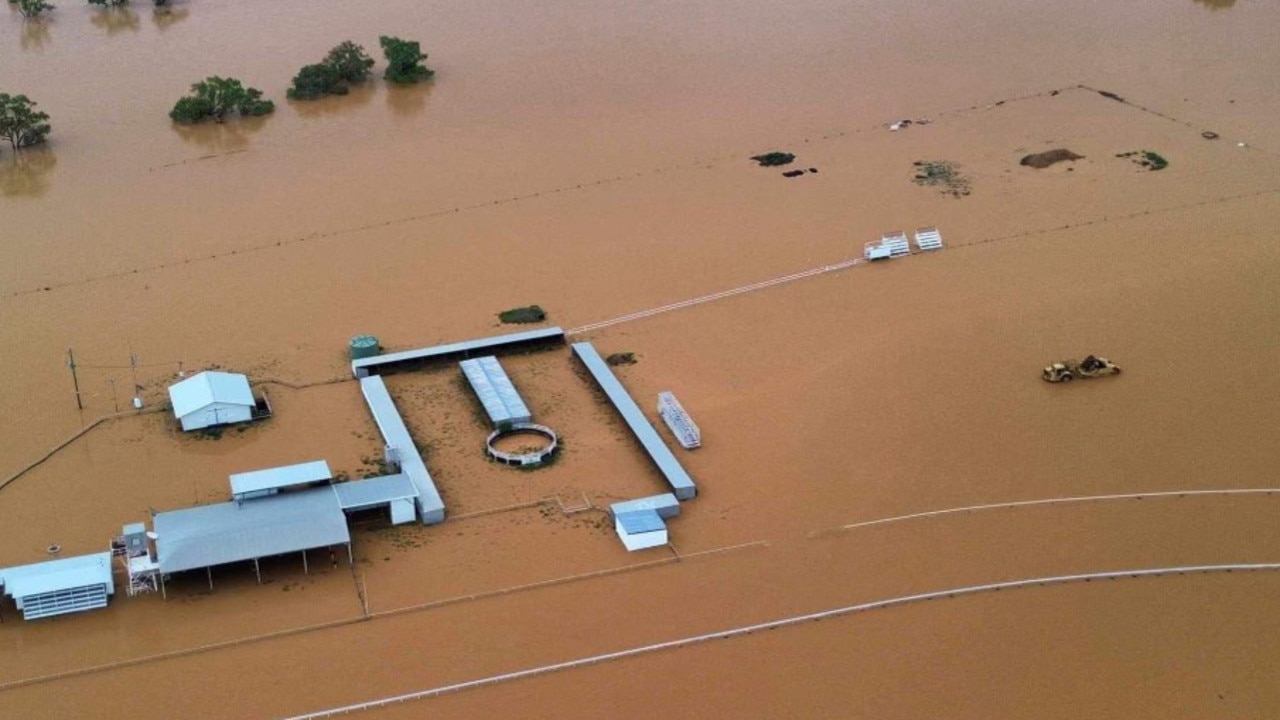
[[115, 404], [71, 363]]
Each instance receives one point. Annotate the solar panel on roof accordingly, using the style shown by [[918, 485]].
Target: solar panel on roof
[[641, 521]]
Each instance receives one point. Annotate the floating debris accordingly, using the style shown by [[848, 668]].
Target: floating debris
[[793, 173], [1146, 158], [944, 175], [1209, 135], [1111, 95], [1043, 160]]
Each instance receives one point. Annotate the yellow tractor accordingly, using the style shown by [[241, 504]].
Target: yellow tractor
[[1091, 367]]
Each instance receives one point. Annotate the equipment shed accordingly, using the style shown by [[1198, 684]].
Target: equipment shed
[[57, 587], [261, 483], [396, 492], [640, 529]]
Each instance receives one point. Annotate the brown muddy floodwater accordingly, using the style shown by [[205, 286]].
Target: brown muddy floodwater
[[592, 157]]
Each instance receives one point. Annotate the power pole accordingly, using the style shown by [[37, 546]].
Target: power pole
[[71, 363], [115, 404]]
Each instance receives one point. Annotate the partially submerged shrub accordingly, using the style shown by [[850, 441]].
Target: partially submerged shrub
[[404, 60], [349, 61], [314, 81], [216, 98], [1043, 160], [774, 159], [521, 315]]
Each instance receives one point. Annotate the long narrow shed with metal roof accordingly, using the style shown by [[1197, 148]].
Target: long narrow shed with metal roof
[[396, 437], [363, 367], [260, 483], [58, 587], [668, 465]]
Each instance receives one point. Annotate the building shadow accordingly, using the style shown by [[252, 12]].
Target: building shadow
[[116, 20], [167, 16], [26, 172], [221, 138], [359, 96], [408, 100]]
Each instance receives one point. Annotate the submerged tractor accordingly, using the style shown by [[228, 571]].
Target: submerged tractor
[[1091, 367]]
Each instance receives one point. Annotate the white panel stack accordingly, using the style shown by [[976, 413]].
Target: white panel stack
[[682, 426], [496, 393], [928, 239]]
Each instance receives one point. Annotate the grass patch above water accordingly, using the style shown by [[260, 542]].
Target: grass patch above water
[[523, 315]]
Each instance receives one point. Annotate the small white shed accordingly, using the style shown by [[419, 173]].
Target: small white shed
[[212, 398]]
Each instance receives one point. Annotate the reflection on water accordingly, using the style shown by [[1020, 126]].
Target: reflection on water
[[334, 104], [219, 138], [163, 17], [1217, 4], [115, 20], [26, 172], [408, 100], [35, 34]]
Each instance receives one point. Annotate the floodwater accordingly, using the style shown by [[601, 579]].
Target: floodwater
[[592, 158]]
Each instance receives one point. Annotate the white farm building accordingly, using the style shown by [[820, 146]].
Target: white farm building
[[212, 398]]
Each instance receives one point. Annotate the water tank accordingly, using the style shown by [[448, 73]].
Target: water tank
[[363, 346]]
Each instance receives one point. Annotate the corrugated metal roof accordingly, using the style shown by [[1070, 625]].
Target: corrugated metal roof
[[60, 574], [279, 477], [641, 521], [496, 392], [209, 535], [666, 505], [467, 346], [374, 491], [396, 435], [644, 432], [207, 388]]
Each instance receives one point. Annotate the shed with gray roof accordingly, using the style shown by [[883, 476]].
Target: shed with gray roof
[[209, 535], [212, 398], [58, 587]]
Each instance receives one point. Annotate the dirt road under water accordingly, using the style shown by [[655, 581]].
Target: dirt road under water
[[593, 158]]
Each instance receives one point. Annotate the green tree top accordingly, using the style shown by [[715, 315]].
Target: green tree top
[[218, 97], [350, 62], [32, 8], [20, 123], [404, 60]]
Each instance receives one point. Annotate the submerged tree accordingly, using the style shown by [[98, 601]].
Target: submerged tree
[[404, 60], [218, 97], [32, 8], [20, 123], [346, 63], [109, 3], [314, 81], [349, 61]]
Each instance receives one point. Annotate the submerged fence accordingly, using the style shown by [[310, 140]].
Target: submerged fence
[[771, 625]]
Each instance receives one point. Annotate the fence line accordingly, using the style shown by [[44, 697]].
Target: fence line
[[363, 617], [1049, 501], [714, 296], [773, 624]]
